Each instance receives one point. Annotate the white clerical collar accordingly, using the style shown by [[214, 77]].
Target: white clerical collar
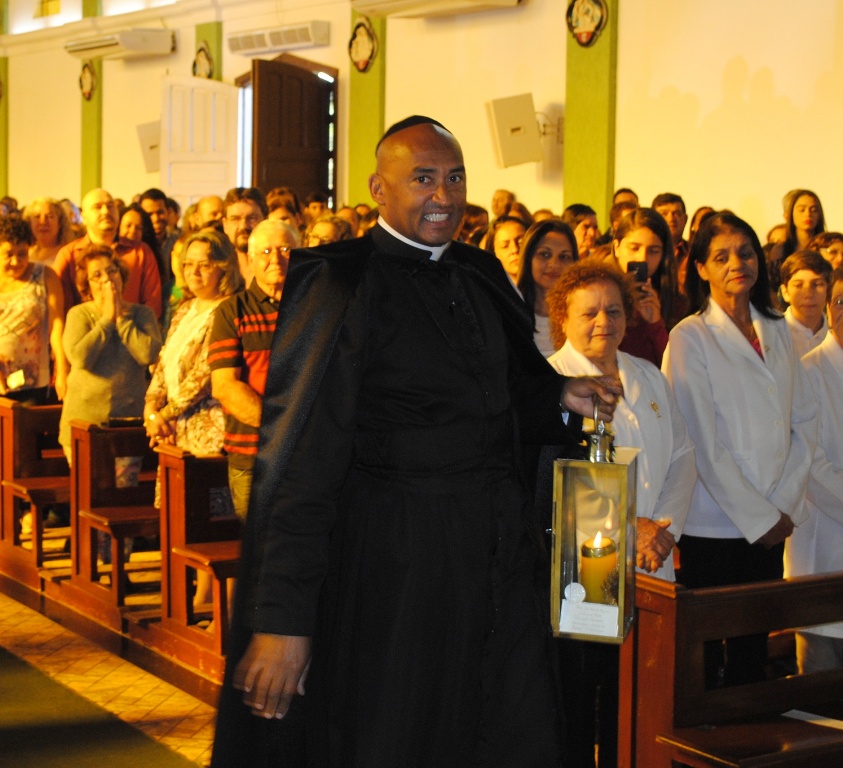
[[436, 251]]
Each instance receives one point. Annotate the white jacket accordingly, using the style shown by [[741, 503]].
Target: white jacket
[[753, 423], [646, 417], [816, 546]]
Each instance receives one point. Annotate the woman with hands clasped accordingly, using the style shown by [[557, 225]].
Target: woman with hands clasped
[[750, 411], [109, 343]]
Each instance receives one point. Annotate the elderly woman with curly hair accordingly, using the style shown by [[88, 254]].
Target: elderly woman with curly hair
[[589, 306]]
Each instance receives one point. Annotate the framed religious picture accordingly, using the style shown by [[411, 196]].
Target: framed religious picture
[[87, 80], [586, 20], [363, 46], [203, 62]]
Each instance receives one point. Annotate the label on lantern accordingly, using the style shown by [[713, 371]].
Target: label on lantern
[[588, 618]]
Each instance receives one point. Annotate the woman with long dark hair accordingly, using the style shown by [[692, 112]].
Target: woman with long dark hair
[[547, 250], [751, 414], [643, 247]]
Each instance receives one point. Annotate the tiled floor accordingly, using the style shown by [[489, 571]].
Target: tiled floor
[[164, 712]]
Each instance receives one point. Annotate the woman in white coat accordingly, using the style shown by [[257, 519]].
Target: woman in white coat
[[748, 407], [817, 545], [589, 306]]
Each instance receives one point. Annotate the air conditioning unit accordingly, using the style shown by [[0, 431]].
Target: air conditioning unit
[[306, 35], [424, 8], [125, 44]]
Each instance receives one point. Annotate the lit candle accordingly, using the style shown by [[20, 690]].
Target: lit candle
[[599, 559]]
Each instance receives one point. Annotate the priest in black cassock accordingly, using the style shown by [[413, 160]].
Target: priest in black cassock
[[389, 563]]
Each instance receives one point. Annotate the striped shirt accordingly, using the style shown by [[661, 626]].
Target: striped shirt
[[242, 338]]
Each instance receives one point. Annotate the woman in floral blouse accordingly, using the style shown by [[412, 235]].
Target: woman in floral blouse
[[179, 408]]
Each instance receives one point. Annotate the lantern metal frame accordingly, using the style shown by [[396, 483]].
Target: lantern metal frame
[[581, 488]]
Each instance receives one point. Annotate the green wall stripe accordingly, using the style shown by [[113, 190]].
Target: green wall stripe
[[211, 33], [366, 114], [91, 8], [590, 103], [91, 154], [4, 103], [4, 126]]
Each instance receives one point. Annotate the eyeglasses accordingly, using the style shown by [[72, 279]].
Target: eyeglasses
[[98, 275], [252, 220], [203, 266], [282, 252]]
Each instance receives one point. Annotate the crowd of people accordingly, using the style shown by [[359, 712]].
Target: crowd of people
[[403, 363]]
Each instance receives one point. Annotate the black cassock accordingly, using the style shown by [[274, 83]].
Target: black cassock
[[389, 517]]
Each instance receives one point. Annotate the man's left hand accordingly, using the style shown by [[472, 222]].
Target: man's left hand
[[578, 395]]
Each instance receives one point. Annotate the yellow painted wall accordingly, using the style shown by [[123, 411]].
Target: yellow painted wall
[[731, 104], [727, 102]]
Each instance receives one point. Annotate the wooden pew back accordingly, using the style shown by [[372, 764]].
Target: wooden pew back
[[94, 450], [30, 440], [192, 540], [186, 483], [33, 469], [662, 664]]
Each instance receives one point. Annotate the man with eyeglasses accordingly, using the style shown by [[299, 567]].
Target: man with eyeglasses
[[99, 215], [239, 348], [243, 209]]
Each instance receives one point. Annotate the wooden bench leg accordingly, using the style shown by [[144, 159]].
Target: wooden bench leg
[[118, 577], [37, 534], [220, 614]]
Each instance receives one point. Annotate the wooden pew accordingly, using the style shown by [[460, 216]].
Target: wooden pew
[[98, 504], [192, 541], [669, 718], [33, 470]]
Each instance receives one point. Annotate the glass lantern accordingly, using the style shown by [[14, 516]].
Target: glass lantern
[[593, 545]]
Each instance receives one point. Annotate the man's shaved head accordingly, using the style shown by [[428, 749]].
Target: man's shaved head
[[419, 184]]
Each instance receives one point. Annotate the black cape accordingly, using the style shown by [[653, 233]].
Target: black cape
[[388, 518]]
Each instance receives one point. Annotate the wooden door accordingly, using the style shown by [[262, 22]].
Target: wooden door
[[198, 138], [294, 125]]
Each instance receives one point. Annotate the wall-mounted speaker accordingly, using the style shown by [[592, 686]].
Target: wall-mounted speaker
[[515, 130]]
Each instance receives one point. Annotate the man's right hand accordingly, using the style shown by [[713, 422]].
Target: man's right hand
[[272, 671]]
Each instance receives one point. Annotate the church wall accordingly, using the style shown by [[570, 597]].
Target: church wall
[[45, 114], [44, 124], [731, 104], [449, 68]]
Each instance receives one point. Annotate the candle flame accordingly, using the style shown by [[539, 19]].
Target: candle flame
[[598, 540]]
